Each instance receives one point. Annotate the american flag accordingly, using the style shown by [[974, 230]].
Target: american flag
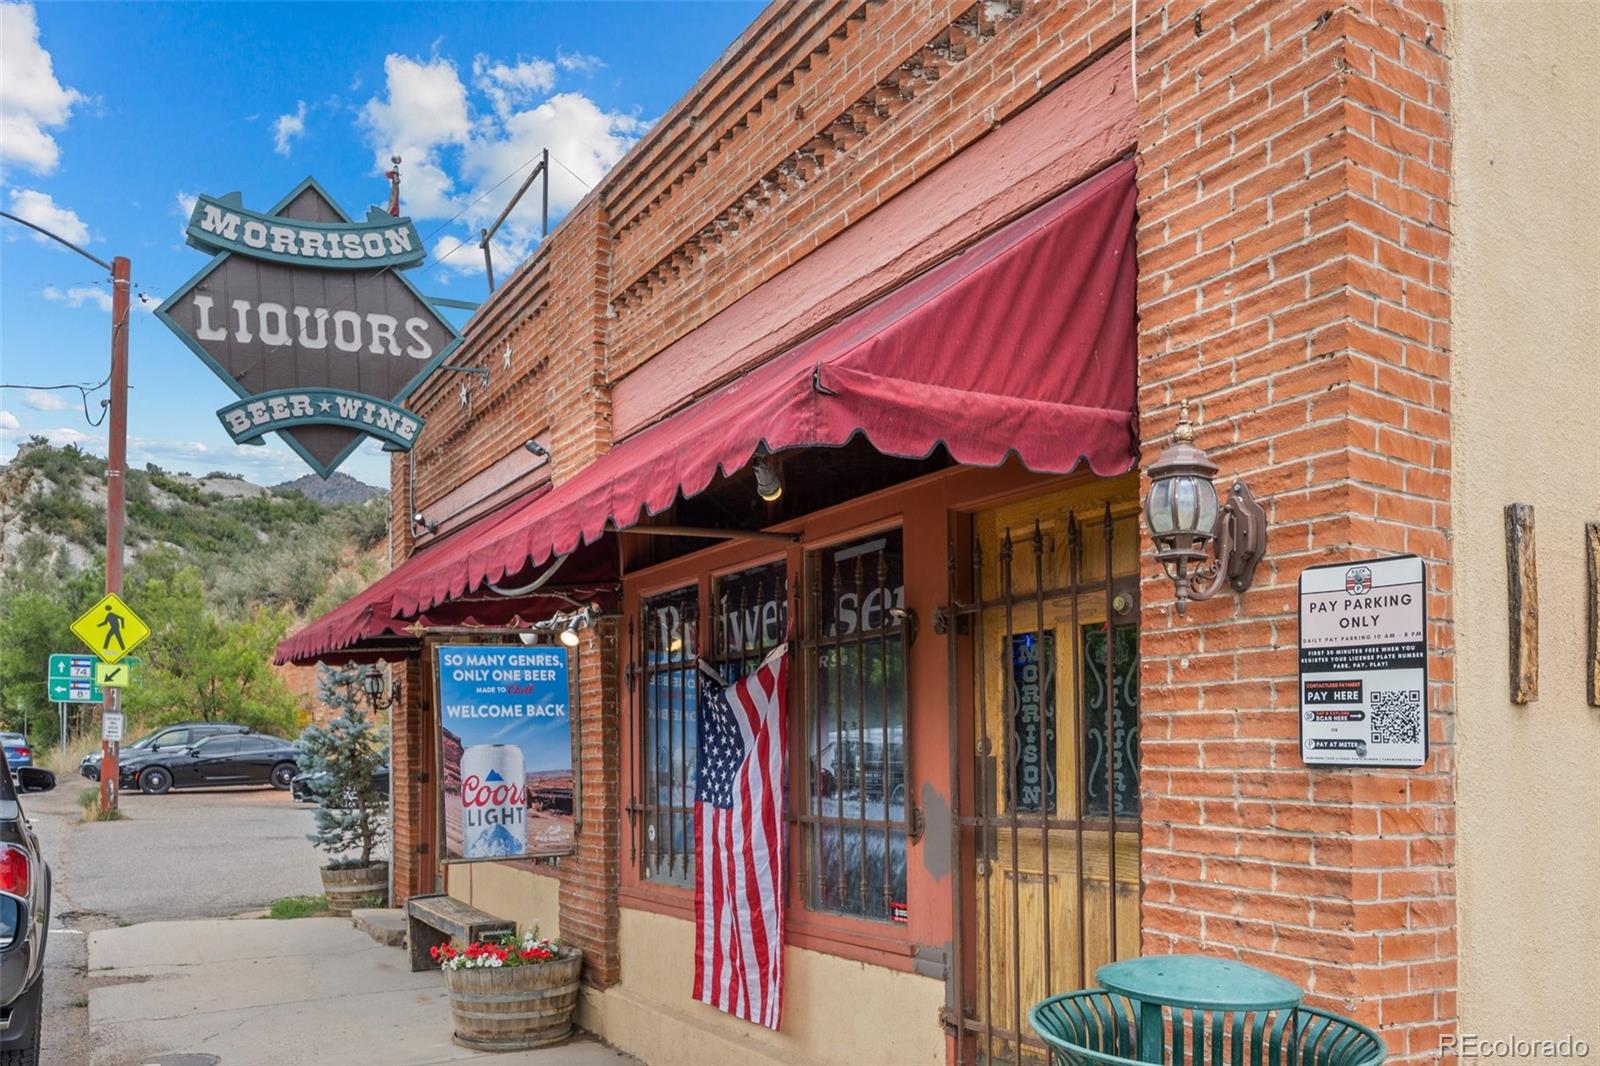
[[739, 829]]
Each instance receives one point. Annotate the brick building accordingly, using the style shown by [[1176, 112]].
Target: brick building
[[955, 266]]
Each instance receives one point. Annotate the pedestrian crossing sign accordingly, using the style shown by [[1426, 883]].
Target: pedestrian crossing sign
[[110, 628]]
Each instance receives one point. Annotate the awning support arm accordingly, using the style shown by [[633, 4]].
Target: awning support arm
[[712, 534]]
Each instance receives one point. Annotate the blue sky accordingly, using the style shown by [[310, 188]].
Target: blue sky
[[112, 115]]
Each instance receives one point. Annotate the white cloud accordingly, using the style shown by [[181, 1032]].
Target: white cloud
[[79, 296], [40, 400], [12, 431], [32, 101], [288, 128], [581, 62], [460, 145], [424, 112], [584, 141], [184, 209], [41, 209], [509, 86]]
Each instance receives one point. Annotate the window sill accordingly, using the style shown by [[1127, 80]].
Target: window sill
[[846, 938]]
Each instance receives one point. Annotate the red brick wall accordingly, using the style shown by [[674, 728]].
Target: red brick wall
[[1294, 283], [411, 778], [861, 102], [1294, 164], [590, 878]]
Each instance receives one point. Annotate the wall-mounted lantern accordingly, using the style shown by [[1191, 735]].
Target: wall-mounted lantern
[[374, 684], [1199, 544]]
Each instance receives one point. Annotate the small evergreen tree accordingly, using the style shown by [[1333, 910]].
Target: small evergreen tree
[[352, 808]]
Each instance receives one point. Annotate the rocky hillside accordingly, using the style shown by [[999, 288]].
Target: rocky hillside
[[295, 545], [340, 488]]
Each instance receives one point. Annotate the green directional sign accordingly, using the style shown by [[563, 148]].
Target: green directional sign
[[75, 678], [79, 667], [71, 680]]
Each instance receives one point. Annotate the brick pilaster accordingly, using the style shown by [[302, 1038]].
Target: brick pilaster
[[1293, 241], [590, 877]]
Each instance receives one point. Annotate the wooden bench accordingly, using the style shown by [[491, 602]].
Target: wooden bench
[[438, 919]]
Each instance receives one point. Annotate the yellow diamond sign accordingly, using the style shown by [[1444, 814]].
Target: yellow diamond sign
[[110, 628]]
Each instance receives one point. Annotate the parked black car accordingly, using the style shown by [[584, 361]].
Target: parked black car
[[24, 920], [242, 759], [309, 788], [167, 738]]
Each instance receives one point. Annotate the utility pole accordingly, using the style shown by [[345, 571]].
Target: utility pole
[[116, 502], [116, 486]]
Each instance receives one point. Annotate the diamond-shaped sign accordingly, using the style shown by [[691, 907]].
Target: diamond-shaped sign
[[110, 628], [306, 315]]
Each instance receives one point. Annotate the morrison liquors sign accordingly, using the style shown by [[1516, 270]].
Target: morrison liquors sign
[[305, 313]]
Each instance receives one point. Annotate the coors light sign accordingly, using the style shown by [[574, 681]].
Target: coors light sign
[[494, 801]]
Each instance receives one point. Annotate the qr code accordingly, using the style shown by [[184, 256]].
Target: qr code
[[1397, 716]]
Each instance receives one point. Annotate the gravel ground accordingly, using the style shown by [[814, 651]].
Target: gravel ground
[[208, 853]]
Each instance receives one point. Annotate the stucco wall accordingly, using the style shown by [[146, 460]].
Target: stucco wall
[[1527, 306], [525, 897], [834, 1010]]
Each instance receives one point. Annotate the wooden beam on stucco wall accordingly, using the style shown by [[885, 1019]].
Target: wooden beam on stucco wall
[[1522, 591], [1591, 540]]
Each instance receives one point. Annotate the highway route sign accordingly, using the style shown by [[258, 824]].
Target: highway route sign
[[71, 680]]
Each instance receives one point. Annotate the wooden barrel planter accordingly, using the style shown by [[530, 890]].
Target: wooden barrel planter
[[506, 1008], [346, 889]]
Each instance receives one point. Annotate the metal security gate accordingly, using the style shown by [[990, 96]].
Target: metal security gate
[[1045, 760]]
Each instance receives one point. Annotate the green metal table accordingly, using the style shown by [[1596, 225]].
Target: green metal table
[[1187, 1010], [1192, 982]]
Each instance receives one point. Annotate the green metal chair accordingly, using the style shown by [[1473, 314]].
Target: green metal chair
[[1100, 1027]]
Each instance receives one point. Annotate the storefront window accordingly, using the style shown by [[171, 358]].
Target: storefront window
[[1114, 765], [669, 735], [854, 729], [751, 618]]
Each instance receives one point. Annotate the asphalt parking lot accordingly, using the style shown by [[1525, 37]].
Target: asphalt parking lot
[[210, 853], [205, 853]]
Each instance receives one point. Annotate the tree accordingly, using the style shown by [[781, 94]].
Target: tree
[[198, 665], [345, 755], [38, 601]]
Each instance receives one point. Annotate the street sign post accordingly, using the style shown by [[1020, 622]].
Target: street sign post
[[71, 679], [110, 628]]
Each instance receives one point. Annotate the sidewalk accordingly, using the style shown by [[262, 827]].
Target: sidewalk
[[314, 990]]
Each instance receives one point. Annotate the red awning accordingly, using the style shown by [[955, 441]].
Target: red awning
[[1024, 343]]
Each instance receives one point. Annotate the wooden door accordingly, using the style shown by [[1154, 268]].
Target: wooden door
[[1053, 898]]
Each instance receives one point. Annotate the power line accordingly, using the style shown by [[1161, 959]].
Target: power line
[[574, 174]]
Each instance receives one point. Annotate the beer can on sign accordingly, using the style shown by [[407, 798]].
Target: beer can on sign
[[494, 801]]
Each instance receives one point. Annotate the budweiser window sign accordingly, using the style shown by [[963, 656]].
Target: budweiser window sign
[[505, 751], [306, 314], [1364, 663]]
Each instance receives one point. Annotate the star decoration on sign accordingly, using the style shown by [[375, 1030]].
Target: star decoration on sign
[[324, 404]]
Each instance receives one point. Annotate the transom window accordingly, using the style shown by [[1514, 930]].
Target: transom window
[[853, 729]]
